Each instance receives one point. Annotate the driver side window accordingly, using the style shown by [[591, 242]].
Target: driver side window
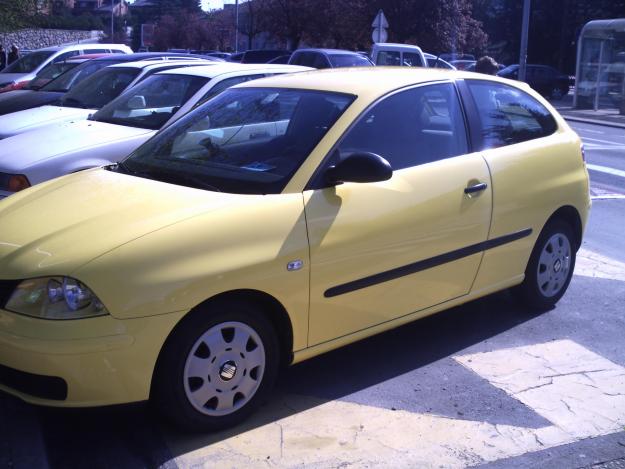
[[410, 128]]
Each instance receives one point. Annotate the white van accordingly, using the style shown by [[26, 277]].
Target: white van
[[387, 53], [26, 67]]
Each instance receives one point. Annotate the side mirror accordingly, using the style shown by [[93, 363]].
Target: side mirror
[[360, 167], [136, 102]]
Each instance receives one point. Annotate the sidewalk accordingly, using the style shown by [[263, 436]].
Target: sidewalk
[[609, 117]]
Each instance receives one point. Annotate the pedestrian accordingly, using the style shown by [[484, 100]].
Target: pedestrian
[[14, 54], [3, 57], [486, 65]]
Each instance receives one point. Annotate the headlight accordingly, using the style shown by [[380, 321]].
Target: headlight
[[55, 298]]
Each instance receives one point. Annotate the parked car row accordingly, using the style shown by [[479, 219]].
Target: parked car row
[[177, 230]]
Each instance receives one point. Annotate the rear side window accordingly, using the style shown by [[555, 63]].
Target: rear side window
[[412, 60], [508, 115], [410, 128], [388, 58]]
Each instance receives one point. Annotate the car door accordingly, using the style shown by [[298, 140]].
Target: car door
[[379, 251]]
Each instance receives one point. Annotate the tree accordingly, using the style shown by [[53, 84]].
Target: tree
[[16, 13], [186, 30]]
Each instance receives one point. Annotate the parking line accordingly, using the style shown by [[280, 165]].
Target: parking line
[[606, 169], [610, 142]]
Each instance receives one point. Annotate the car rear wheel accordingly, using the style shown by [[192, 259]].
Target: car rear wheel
[[217, 367], [550, 267]]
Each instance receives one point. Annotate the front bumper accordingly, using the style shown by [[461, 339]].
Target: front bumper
[[100, 361]]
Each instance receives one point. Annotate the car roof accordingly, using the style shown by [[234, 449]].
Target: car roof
[[329, 51], [367, 81], [152, 56], [78, 46], [212, 71], [394, 45], [161, 63]]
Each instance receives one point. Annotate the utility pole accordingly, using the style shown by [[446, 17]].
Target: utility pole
[[112, 14], [524, 34], [236, 26]]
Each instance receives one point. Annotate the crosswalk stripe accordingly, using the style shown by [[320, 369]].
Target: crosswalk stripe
[[607, 170]]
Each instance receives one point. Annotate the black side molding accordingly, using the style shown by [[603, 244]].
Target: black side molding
[[425, 264]]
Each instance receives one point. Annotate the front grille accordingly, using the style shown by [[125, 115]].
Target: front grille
[[44, 387], [7, 287]]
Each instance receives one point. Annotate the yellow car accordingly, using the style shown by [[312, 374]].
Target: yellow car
[[284, 218]]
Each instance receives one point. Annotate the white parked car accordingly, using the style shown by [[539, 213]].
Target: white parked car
[[88, 96], [120, 127], [26, 67]]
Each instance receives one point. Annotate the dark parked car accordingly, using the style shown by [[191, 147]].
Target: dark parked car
[[19, 100], [329, 58], [262, 56], [546, 80]]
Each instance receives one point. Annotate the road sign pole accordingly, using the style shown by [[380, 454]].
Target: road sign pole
[[524, 34]]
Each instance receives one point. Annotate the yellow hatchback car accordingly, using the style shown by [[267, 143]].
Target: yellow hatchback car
[[284, 218]]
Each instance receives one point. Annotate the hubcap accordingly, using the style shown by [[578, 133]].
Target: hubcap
[[554, 265], [224, 368]]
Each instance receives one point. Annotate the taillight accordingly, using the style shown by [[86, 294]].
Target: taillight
[[14, 86], [17, 182]]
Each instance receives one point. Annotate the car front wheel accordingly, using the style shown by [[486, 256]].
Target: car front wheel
[[550, 267], [217, 367]]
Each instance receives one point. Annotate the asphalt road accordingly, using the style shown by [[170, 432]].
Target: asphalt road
[[430, 394]]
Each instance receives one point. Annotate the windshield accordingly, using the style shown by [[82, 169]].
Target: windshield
[[245, 140], [344, 60], [99, 89], [68, 80], [152, 102], [29, 62], [49, 73]]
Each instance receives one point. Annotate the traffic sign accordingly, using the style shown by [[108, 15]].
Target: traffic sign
[[379, 35], [380, 21]]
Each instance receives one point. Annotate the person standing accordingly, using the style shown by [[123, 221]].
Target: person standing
[[486, 65], [3, 57], [14, 54]]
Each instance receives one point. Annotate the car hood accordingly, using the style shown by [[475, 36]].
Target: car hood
[[19, 100], [18, 153], [56, 227], [29, 119]]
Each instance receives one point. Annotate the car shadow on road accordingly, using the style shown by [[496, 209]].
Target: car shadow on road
[[133, 436]]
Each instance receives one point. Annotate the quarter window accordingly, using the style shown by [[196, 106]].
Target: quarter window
[[413, 127], [508, 115]]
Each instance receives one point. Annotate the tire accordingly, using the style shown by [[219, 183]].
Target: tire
[[217, 367], [550, 267], [557, 93]]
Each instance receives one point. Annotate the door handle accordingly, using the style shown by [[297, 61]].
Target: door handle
[[475, 188]]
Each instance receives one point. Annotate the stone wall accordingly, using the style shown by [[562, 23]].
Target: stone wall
[[38, 38]]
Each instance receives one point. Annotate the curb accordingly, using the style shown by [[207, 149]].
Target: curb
[[593, 121]]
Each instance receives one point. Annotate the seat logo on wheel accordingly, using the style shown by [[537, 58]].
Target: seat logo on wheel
[[228, 370]]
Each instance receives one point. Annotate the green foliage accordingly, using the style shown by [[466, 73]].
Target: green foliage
[[83, 22], [16, 14]]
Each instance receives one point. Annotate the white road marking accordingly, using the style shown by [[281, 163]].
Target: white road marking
[[334, 434], [592, 264], [591, 131], [609, 142], [606, 169], [581, 392]]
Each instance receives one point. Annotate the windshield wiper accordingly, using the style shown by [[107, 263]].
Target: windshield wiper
[[73, 102], [171, 177]]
